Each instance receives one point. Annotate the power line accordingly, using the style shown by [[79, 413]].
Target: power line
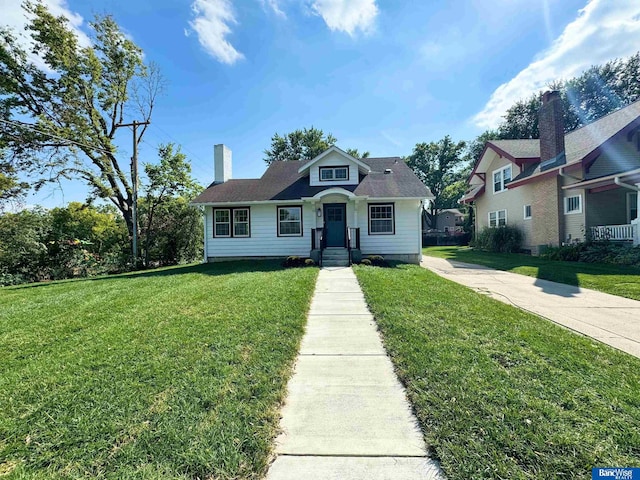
[[197, 166]]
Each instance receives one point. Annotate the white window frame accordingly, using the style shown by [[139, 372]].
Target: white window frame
[[231, 211], [503, 183], [392, 218], [332, 170], [497, 220], [525, 216], [279, 222], [216, 223], [236, 222], [566, 205]]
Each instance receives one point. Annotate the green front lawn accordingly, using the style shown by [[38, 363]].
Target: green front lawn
[[618, 280], [174, 373], [501, 393]]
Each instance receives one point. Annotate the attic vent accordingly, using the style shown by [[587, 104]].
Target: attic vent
[[388, 170]]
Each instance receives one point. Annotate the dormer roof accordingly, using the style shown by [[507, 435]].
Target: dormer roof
[[362, 166]]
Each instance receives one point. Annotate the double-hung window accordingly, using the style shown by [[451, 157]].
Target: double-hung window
[[381, 219], [498, 218], [290, 221], [527, 212], [501, 177], [241, 222], [573, 204], [334, 173], [231, 222], [222, 222]]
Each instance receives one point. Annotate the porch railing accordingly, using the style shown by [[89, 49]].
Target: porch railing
[[318, 241], [616, 233], [353, 240]]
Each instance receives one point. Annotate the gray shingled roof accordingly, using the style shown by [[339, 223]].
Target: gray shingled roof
[[578, 143], [519, 148], [282, 181]]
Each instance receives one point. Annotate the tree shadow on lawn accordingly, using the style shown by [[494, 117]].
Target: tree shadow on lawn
[[213, 269]]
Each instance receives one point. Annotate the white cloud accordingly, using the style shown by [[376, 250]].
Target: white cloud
[[211, 24], [274, 5], [603, 30], [347, 15], [14, 16]]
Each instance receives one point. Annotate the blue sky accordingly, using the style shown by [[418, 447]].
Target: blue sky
[[379, 75]]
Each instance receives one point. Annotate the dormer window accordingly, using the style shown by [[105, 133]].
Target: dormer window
[[334, 173]]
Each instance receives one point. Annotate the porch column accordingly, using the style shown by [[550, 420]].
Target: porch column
[[636, 222], [355, 214]]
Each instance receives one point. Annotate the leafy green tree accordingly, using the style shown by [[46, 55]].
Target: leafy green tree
[[177, 235], [356, 154], [598, 91], [101, 232], [59, 120], [298, 145], [23, 246], [303, 144], [11, 188], [168, 181], [439, 165]]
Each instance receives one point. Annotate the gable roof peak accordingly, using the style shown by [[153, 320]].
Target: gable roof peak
[[333, 148]]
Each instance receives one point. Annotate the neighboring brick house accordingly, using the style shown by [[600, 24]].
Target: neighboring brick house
[[563, 188]]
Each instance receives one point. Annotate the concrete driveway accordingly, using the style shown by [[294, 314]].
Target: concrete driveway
[[610, 319]]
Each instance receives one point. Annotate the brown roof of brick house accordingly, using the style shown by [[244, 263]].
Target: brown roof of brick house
[[578, 144], [282, 181]]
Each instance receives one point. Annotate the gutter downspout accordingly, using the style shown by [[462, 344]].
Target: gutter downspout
[[206, 253], [620, 183], [566, 175]]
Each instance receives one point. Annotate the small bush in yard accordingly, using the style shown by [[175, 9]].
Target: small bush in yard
[[600, 252], [294, 261], [375, 260], [501, 239]]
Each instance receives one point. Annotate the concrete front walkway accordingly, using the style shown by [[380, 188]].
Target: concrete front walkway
[[346, 415], [610, 319]]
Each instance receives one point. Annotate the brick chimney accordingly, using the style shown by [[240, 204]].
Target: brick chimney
[[221, 163], [546, 209], [551, 127]]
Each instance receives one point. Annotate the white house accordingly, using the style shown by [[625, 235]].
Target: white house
[[333, 208]]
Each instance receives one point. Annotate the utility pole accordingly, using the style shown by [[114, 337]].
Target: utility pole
[[134, 186]]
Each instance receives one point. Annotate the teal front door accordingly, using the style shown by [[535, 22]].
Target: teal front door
[[335, 224]]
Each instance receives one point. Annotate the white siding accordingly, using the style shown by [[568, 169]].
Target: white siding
[[333, 159], [264, 240], [406, 239]]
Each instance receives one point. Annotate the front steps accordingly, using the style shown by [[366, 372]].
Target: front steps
[[335, 257]]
